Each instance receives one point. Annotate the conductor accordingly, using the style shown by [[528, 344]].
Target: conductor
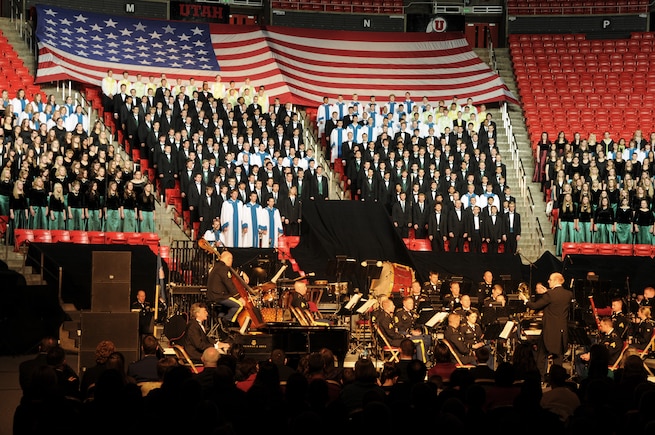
[[221, 289], [555, 303]]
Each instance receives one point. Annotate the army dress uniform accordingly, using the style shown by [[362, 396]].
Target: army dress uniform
[[643, 333], [621, 324], [387, 324], [145, 316], [614, 344], [456, 340]]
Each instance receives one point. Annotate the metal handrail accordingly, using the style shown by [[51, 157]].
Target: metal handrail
[[58, 275]]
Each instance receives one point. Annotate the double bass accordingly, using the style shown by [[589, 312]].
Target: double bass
[[249, 311]]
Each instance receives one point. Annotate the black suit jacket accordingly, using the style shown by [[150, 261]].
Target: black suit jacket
[[555, 303], [493, 231], [516, 227], [196, 340], [455, 225]]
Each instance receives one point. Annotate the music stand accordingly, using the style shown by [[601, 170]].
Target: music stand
[[515, 306], [507, 281], [371, 269]]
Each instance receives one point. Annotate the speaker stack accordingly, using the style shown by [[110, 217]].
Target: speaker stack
[[110, 317]]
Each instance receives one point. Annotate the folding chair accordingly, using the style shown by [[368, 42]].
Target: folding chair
[[647, 350], [459, 363], [389, 353], [184, 358], [618, 360]]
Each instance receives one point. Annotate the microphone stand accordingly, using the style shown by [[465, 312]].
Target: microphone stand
[[531, 265]]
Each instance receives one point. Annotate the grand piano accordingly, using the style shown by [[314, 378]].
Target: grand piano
[[295, 340]]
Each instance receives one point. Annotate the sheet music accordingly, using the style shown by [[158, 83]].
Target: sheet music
[[437, 318], [353, 301], [506, 330], [365, 307]]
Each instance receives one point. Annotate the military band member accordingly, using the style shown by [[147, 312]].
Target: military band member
[[494, 306], [421, 299], [142, 306], [471, 330], [619, 320], [433, 286], [386, 320], [451, 301], [608, 338], [486, 286], [406, 316], [465, 309], [454, 336], [643, 330]]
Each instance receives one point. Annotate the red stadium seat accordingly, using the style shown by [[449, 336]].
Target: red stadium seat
[[43, 236], [164, 253], [569, 248], [624, 249], [152, 240], [420, 245], [115, 238], [606, 249], [81, 237], [588, 248], [96, 237], [61, 236], [134, 239], [22, 236], [643, 250]]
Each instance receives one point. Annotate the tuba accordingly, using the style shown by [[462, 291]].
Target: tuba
[[524, 290]]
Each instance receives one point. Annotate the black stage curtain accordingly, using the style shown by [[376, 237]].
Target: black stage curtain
[[259, 264], [358, 230], [540, 270], [76, 262]]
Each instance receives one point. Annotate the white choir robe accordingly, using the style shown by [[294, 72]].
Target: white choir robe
[[323, 113], [232, 223], [252, 220], [337, 137], [272, 223], [210, 236]]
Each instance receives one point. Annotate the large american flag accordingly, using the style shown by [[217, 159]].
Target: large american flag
[[297, 65], [82, 46], [304, 65]]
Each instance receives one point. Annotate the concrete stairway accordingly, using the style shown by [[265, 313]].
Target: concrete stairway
[[536, 234]]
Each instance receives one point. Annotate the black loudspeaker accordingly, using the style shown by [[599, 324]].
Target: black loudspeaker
[[111, 266], [110, 297], [120, 328], [111, 282]]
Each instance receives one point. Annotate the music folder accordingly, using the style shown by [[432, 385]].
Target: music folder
[[437, 318], [366, 306], [348, 308], [507, 330]]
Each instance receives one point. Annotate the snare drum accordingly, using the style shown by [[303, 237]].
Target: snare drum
[[269, 295]]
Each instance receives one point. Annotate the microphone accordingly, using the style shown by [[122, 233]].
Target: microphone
[[310, 274]]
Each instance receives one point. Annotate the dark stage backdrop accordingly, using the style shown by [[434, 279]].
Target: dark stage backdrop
[[358, 230], [76, 262]]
